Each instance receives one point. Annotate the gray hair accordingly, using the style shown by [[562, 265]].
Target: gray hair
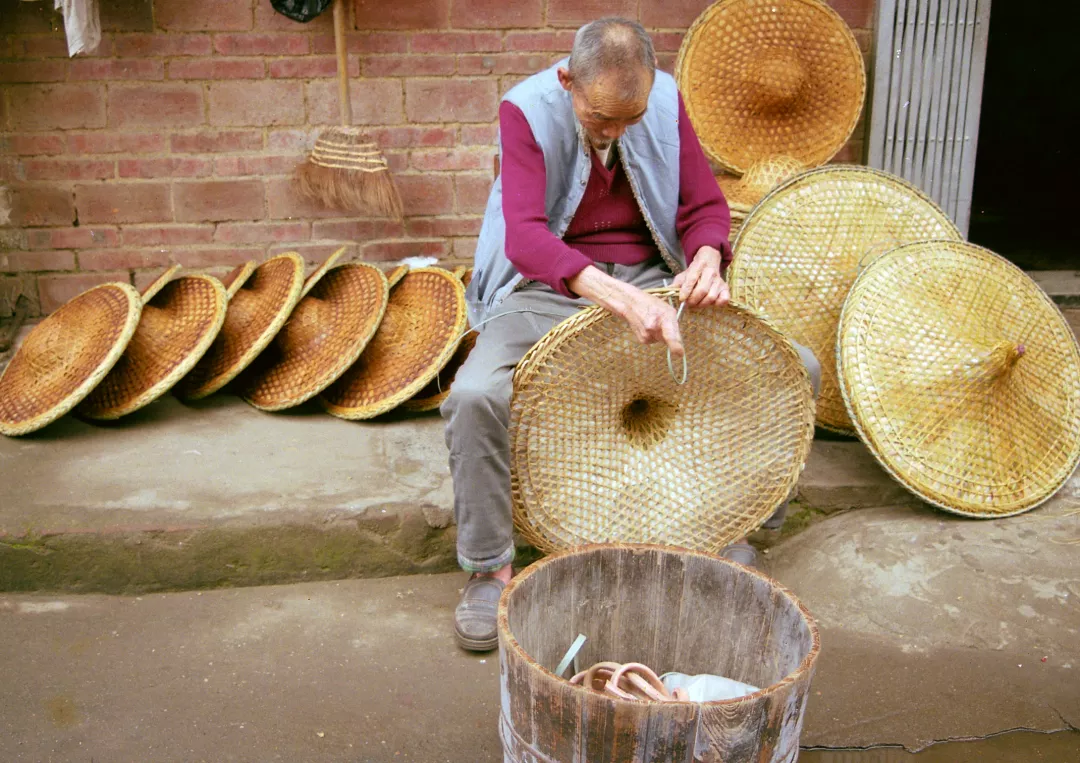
[[617, 46]]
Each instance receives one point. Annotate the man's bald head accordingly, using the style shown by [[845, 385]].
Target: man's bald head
[[620, 52]]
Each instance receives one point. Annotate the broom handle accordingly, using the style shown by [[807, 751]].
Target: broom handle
[[344, 105]]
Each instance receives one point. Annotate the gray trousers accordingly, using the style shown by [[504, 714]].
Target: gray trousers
[[477, 411]]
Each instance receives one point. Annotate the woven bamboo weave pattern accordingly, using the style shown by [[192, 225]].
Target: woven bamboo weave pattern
[[962, 377], [65, 356], [762, 78], [799, 251], [606, 447], [424, 320], [763, 176], [176, 328], [433, 395], [323, 337], [257, 311]]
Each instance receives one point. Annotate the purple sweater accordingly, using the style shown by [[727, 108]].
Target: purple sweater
[[608, 225]]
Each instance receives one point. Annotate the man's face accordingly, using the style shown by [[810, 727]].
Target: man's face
[[602, 113]]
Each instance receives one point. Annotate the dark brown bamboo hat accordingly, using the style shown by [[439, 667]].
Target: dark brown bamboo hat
[[258, 308], [424, 320], [325, 335], [606, 446], [962, 377], [66, 355], [801, 247], [763, 78], [180, 319]]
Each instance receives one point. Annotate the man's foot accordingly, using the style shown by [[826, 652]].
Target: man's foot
[[476, 616], [741, 553]]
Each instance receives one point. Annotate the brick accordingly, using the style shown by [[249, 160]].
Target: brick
[[217, 68], [294, 141], [116, 143], [203, 15], [665, 62], [859, 14], [162, 45], [33, 71], [220, 256], [169, 105], [310, 67], [263, 103], [216, 141], [356, 230], [83, 237], [426, 194], [267, 19], [402, 14], [316, 253], [56, 107], [284, 202], [671, 14], [464, 250], [259, 233], [358, 42], [409, 137], [502, 63], [456, 42], [667, 42], [40, 47], [19, 262], [68, 169], [496, 14], [508, 82], [123, 259], [471, 193], [397, 161], [117, 69], [31, 144], [56, 290], [261, 44], [374, 101], [443, 227], [457, 100], [256, 165], [850, 153], [213, 200], [408, 66], [479, 135], [127, 16], [577, 12], [168, 166], [123, 202], [540, 41], [441, 160], [41, 204], [167, 235], [386, 251]]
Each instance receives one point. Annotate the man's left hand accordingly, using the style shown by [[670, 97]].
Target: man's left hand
[[701, 284]]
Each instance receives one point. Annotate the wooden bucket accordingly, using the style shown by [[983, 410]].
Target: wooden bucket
[[673, 610]]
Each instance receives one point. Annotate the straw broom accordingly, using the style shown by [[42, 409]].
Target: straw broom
[[346, 170]]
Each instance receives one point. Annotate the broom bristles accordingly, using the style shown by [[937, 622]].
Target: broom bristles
[[347, 171]]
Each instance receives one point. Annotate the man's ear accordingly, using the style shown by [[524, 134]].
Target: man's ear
[[564, 78]]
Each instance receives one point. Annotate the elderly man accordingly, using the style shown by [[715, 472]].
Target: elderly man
[[604, 192]]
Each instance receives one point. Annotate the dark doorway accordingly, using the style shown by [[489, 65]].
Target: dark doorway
[[1024, 203]]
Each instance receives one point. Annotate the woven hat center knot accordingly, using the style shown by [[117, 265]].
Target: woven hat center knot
[[54, 354], [309, 322], [776, 79], [645, 420]]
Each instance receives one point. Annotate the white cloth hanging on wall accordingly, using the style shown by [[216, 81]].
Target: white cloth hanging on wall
[[82, 24]]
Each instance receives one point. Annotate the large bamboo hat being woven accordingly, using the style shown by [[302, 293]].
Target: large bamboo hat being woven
[[962, 377], [763, 78], [607, 447], [420, 331], [801, 247], [66, 355], [325, 335], [180, 318], [259, 305]]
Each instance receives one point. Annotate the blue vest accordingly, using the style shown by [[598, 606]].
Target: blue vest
[[648, 150]]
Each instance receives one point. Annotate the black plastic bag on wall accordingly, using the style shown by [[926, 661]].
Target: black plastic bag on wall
[[300, 10]]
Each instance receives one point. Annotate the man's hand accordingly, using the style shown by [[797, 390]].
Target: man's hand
[[650, 318], [701, 284]]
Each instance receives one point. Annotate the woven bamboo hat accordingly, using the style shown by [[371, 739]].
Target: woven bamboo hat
[[180, 319], [742, 193], [800, 249], [433, 395], [607, 447], [323, 337], [962, 377], [420, 331], [763, 78], [261, 301], [66, 355]]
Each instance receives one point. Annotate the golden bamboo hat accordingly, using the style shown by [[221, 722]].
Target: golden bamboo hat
[[424, 320], [260, 302], [180, 319], [606, 446], [962, 377], [763, 78], [433, 395], [66, 355], [742, 193], [801, 247], [325, 335]]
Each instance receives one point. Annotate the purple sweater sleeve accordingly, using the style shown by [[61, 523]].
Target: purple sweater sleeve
[[537, 253], [703, 218]]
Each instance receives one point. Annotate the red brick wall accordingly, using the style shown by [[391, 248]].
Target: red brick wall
[[175, 141]]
